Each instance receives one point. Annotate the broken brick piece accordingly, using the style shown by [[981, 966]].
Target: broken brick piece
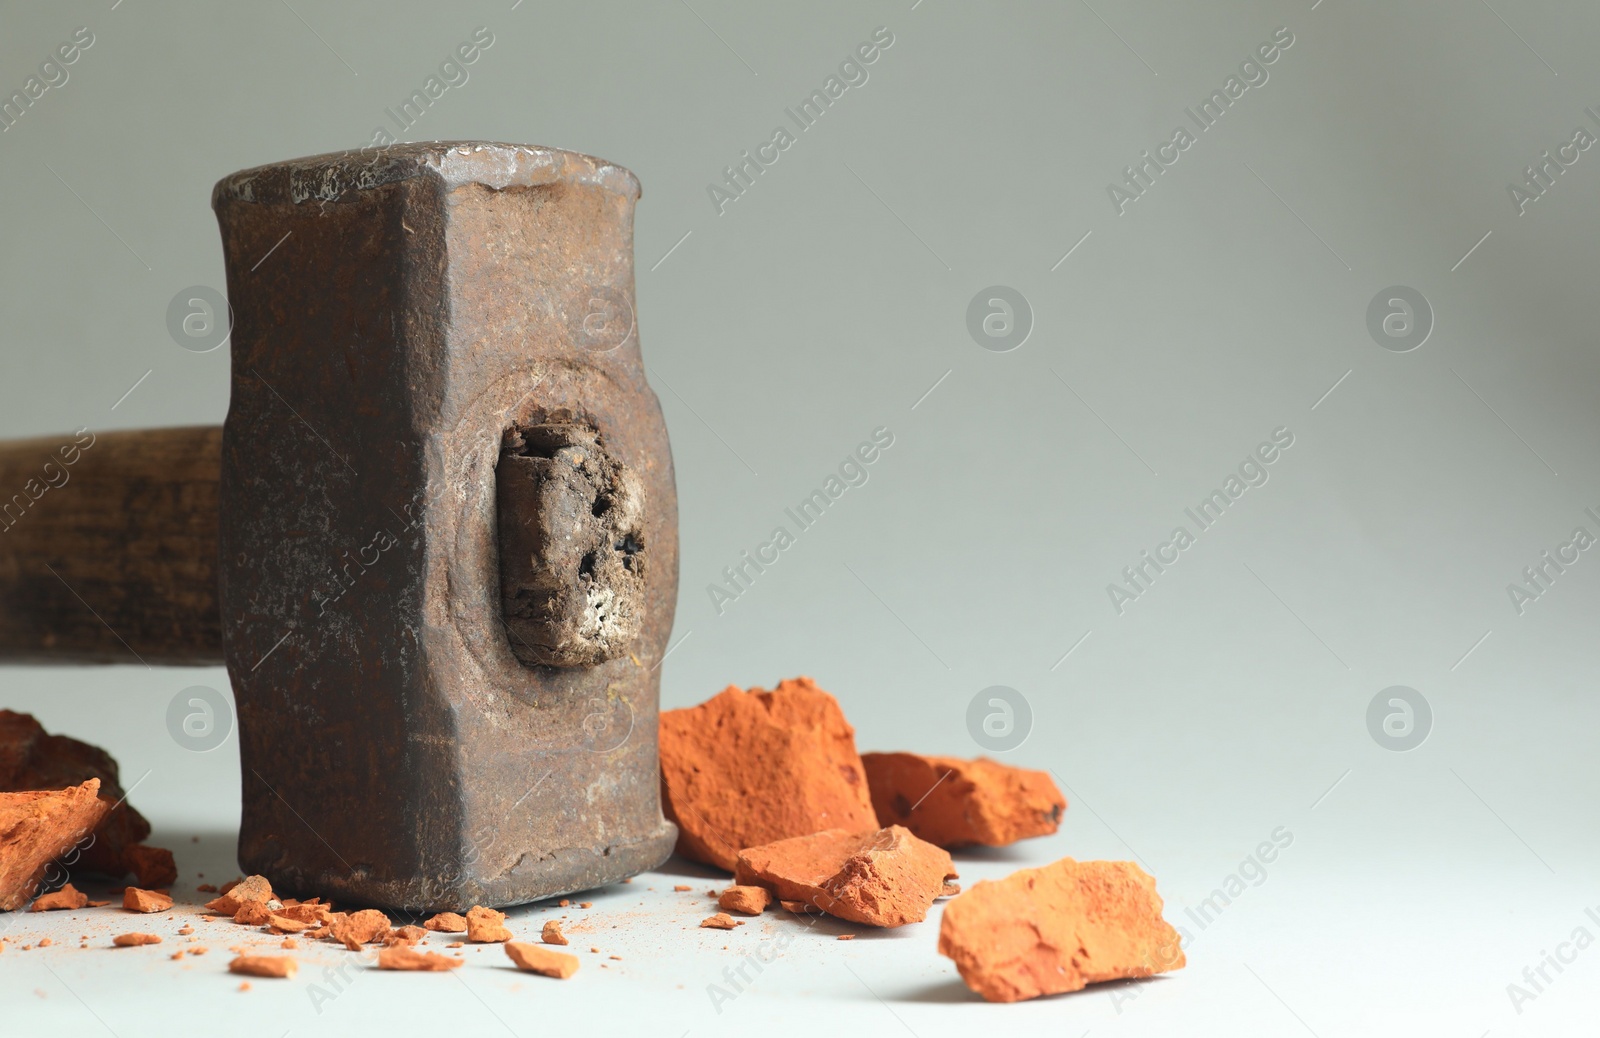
[[486, 926], [747, 768], [1058, 928], [954, 802], [358, 928], [146, 901], [264, 966], [551, 934], [284, 924], [745, 900], [403, 958], [305, 912], [881, 877], [33, 759], [252, 913], [151, 866], [404, 936], [238, 893], [720, 921], [38, 826], [68, 897], [681, 887], [133, 940], [536, 959], [446, 922]]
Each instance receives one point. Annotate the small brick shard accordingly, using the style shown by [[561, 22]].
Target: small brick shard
[[1058, 928], [358, 928], [281, 966], [404, 958], [486, 926], [240, 892], [446, 922], [147, 901], [68, 897], [750, 900], [879, 877], [954, 802], [534, 958]]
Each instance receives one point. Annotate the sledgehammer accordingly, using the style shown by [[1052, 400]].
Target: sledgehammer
[[435, 542]]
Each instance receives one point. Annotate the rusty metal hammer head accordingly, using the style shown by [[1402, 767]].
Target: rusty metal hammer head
[[449, 529]]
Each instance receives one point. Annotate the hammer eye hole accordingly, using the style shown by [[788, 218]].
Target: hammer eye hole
[[572, 554]]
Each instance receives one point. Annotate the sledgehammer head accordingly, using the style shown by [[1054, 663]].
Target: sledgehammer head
[[449, 528]]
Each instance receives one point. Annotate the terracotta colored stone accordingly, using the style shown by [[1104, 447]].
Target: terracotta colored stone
[[69, 897], [486, 926], [358, 928], [264, 966], [32, 759], [881, 877], [133, 940], [405, 958], [147, 901], [748, 768], [151, 866], [1058, 928], [551, 934], [252, 913], [536, 959], [239, 892], [961, 803], [404, 936], [37, 827], [720, 921], [310, 912], [446, 922], [745, 900], [284, 924]]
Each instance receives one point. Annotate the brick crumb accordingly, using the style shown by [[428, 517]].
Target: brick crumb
[[264, 966]]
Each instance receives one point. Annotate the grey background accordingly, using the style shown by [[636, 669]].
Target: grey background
[[1230, 699]]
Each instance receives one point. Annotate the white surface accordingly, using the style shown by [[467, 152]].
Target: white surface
[[826, 302], [1335, 940]]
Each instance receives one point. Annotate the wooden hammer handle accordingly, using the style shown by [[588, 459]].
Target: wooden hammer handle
[[108, 547]]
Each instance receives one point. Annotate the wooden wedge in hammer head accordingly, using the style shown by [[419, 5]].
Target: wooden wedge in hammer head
[[446, 558]]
